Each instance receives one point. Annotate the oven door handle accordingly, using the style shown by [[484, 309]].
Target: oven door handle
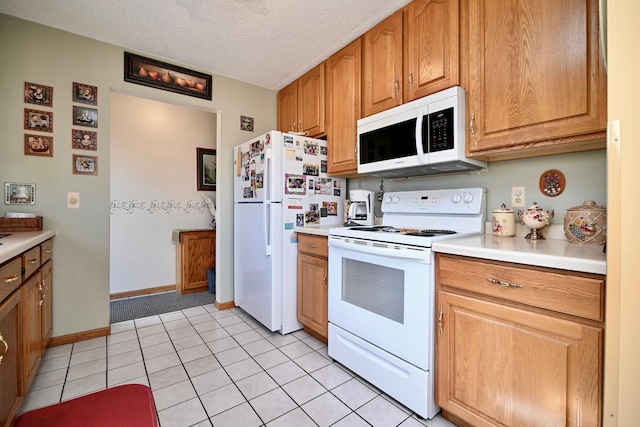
[[418, 254]]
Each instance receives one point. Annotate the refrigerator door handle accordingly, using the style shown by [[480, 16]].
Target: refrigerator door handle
[[266, 218], [267, 185]]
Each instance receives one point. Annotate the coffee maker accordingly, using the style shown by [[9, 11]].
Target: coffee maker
[[361, 207]]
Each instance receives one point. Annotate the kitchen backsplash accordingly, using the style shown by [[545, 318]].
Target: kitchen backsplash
[[585, 174]]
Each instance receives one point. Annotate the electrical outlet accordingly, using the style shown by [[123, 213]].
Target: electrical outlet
[[518, 197], [73, 200]]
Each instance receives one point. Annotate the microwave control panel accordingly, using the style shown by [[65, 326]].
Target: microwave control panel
[[440, 130]]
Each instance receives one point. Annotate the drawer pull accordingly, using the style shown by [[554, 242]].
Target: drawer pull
[[47, 251], [324, 280], [440, 321], [312, 245], [505, 284], [33, 261], [11, 278], [6, 347]]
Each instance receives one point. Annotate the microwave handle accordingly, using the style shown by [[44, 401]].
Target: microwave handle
[[422, 156]]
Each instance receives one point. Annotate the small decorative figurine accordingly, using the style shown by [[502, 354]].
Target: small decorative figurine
[[535, 218]]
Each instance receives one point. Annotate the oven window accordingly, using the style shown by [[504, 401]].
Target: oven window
[[374, 288]]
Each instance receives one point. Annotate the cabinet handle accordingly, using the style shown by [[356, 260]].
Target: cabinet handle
[[440, 315], [11, 278], [47, 251], [397, 84], [312, 245], [505, 284], [411, 79], [293, 126], [33, 261], [471, 128], [6, 347], [324, 280]]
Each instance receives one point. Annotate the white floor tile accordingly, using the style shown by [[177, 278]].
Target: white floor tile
[[271, 358], [87, 369], [173, 316], [242, 369], [202, 366], [238, 328], [54, 363], [304, 389], [151, 330], [311, 362], [330, 376], [162, 362], [381, 413], [222, 344], [147, 321], [80, 357], [43, 397], [210, 381], [241, 415], [326, 409], [184, 414], [122, 326], [296, 418], [354, 393], [222, 399], [58, 351], [126, 373], [273, 404], [167, 377], [230, 356], [154, 339], [286, 372], [90, 344], [214, 334], [256, 385], [48, 379], [123, 359], [158, 350], [122, 336], [352, 420], [122, 347], [259, 346], [84, 386], [173, 394], [193, 353]]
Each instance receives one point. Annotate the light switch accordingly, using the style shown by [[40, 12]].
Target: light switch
[[73, 200]]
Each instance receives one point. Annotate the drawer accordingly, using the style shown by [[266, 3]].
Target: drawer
[[10, 277], [46, 251], [313, 245], [558, 290], [31, 261]]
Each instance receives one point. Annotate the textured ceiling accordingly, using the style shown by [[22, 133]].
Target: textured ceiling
[[268, 43]]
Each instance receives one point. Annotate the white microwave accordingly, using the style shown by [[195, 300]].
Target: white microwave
[[422, 137]]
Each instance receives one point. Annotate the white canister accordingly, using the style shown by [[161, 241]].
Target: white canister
[[503, 222]]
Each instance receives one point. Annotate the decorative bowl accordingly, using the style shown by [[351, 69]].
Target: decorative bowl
[[535, 218], [586, 224]]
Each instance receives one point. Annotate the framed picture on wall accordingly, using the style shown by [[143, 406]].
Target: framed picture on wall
[[38, 145], [85, 94], [84, 139], [85, 165], [38, 120], [206, 165], [16, 193], [83, 116], [38, 94]]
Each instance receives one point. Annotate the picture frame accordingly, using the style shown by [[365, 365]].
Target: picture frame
[[84, 94], [246, 123], [38, 94], [162, 75], [206, 166], [85, 165], [38, 120], [84, 116], [84, 139], [18, 193], [38, 145]]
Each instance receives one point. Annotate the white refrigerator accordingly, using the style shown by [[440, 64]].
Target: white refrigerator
[[280, 182]]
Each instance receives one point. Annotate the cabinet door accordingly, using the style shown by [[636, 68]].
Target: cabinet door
[[312, 293], [10, 380], [499, 365], [431, 47], [197, 255], [536, 77], [31, 323], [46, 308], [343, 109], [288, 108], [311, 108], [382, 66]]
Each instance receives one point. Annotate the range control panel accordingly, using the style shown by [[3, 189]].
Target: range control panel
[[458, 200]]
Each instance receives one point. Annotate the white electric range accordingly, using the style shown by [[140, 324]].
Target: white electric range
[[382, 290]]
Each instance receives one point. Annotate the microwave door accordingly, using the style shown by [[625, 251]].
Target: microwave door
[[422, 137]]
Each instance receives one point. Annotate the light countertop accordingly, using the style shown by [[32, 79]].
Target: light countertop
[[552, 253], [318, 230], [20, 241]]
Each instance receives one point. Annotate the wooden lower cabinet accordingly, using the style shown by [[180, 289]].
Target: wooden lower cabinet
[[10, 352], [500, 363], [196, 253], [313, 270], [31, 328], [46, 307]]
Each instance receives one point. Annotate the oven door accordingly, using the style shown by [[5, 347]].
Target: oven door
[[385, 296]]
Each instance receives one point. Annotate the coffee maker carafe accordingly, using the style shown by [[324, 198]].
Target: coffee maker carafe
[[361, 207]]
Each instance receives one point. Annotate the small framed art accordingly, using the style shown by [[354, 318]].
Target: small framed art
[[38, 145], [165, 76], [16, 193], [84, 139], [83, 116], [206, 160], [85, 94], [85, 165], [38, 94], [38, 120]]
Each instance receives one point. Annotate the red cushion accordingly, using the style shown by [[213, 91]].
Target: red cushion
[[129, 405]]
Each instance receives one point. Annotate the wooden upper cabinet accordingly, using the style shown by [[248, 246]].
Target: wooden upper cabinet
[[382, 66], [343, 109], [536, 77], [288, 108], [301, 105], [431, 43]]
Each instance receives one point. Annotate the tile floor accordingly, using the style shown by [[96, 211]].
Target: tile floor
[[222, 368]]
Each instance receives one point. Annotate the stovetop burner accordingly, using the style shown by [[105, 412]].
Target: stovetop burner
[[405, 231]]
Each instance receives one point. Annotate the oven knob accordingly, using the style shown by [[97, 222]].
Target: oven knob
[[468, 198], [457, 198], [396, 199], [387, 199]]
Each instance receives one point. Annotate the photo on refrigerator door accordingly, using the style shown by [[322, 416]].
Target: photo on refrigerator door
[[295, 184], [323, 186], [331, 207], [311, 147], [312, 216]]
